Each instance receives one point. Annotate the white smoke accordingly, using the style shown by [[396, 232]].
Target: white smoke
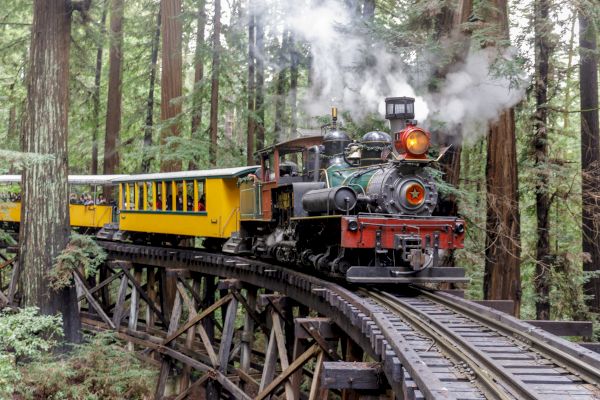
[[354, 72], [472, 95]]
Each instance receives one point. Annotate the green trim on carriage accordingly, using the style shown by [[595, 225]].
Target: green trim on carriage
[[188, 213]]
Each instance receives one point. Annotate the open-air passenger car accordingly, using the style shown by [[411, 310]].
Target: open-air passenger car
[[87, 207], [184, 204]]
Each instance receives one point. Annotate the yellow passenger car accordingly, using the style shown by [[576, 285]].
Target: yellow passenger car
[[87, 207], [190, 203]]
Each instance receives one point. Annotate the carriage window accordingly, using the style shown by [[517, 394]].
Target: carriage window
[[132, 196], [180, 198], [199, 197]]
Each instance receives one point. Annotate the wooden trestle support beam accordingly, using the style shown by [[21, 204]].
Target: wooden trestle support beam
[[222, 338], [9, 276]]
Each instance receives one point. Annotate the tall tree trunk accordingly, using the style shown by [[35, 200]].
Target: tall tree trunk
[[149, 128], [113, 107], [540, 146], [260, 82], [590, 154], [368, 11], [45, 223], [96, 95], [251, 85], [198, 97], [448, 30], [294, 65], [502, 279], [171, 76], [569, 72], [214, 87], [12, 132], [280, 89]]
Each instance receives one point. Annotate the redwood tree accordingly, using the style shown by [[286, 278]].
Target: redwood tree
[[113, 106], [502, 278], [251, 86], [171, 76], [214, 87], [260, 82], [149, 128], [96, 95], [280, 88], [590, 153], [45, 223], [448, 25], [540, 146], [198, 98], [294, 74]]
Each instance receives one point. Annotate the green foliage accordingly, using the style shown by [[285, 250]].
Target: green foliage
[[98, 369], [25, 336], [82, 252], [28, 335], [18, 160], [5, 237]]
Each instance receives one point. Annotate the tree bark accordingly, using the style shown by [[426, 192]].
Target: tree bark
[[149, 128], [214, 89], [448, 24], [280, 89], [368, 10], [590, 154], [540, 147], [113, 107], [96, 95], [171, 76], [45, 223], [260, 82], [251, 85], [198, 98], [12, 132], [569, 72], [502, 279], [294, 73]]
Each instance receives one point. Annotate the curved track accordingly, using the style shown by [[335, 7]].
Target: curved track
[[503, 361], [430, 345]]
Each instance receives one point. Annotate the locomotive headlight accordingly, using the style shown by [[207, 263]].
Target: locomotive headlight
[[417, 142], [413, 194]]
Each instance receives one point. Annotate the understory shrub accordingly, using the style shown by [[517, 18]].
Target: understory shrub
[[101, 368]]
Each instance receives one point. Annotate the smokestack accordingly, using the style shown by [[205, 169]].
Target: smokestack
[[398, 110]]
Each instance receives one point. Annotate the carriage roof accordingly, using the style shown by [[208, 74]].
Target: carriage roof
[[183, 175], [73, 179]]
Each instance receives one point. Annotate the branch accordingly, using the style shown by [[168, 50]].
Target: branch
[[562, 110]]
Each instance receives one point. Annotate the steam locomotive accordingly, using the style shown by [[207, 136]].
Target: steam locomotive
[[362, 210]]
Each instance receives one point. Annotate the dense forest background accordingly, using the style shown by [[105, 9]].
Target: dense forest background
[[177, 84]]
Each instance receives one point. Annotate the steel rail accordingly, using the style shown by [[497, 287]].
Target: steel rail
[[494, 379], [578, 367]]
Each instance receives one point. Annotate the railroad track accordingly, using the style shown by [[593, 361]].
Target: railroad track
[[480, 356], [429, 345]]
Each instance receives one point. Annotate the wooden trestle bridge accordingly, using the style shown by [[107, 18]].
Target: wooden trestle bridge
[[221, 326]]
